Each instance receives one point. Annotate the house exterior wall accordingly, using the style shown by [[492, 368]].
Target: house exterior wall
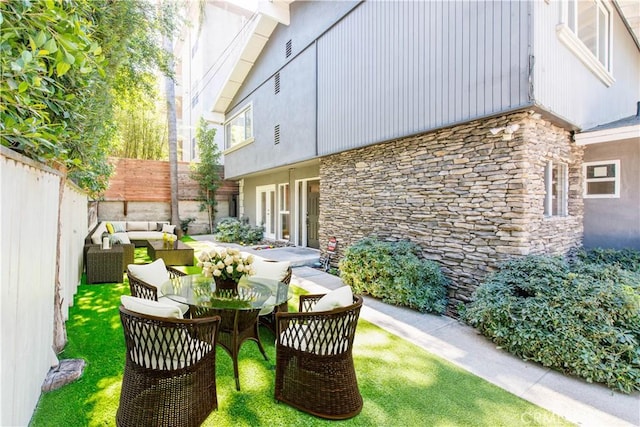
[[391, 69], [292, 110], [566, 87], [380, 73], [279, 177], [615, 222], [200, 50], [467, 197]]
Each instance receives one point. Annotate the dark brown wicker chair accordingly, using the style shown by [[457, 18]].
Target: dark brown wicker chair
[[142, 289], [170, 370], [269, 319], [314, 362], [236, 327]]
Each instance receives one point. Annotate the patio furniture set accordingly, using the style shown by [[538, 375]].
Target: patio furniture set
[[172, 323], [106, 265]]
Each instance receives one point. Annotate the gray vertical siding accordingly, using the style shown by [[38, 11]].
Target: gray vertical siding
[[391, 68]]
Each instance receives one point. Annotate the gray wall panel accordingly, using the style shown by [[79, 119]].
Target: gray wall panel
[[293, 109], [390, 69], [566, 87]]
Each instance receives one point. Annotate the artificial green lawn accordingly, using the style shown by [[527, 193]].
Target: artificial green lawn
[[402, 384]]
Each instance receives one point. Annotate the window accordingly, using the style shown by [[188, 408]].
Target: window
[[602, 179], [556, 183], [283, 209], [586, 30], [239, 129]]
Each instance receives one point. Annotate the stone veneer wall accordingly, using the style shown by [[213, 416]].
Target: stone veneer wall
[[469, 198]]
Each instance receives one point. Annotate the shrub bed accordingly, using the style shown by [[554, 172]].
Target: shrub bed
[[394, 272], [232, 230], [580, 317]]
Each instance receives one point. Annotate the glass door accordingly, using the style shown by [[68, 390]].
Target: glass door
[[266, 209]]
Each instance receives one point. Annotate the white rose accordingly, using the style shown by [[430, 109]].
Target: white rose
[[240, 268], [220, 265], [228, 260], [217, 273], [230, 269]]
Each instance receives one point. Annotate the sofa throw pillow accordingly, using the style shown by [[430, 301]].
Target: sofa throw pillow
[[341, 297], [122, 238], [160, 224], [150, 307], [119, 226], [154, 273], [167, 228], [109, 228], [275, 270]]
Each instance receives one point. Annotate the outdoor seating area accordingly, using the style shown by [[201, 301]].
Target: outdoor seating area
[[163, 373], [173, 321]]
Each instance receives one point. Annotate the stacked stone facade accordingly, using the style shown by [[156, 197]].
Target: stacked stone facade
[[469, 197]]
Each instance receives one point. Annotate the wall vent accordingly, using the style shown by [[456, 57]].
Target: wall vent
[[276, 134], [277, 83], [287, 49]]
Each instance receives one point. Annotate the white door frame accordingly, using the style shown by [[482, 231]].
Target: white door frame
[[300, 201], [270, 219]]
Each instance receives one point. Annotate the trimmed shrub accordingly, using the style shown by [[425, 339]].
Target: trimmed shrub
[[232, 230], [580, 318], [394, 272], [628, 259]]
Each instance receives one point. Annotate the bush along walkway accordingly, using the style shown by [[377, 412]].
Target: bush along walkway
[[568, 397]]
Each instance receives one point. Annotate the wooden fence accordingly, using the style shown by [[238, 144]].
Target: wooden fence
[[35, 198]]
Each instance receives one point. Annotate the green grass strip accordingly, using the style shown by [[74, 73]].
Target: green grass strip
[[402, 384]]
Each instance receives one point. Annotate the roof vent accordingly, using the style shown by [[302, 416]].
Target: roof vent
[[276, 134], [277, 83]]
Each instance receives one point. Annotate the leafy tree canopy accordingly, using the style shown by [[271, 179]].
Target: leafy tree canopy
[[62, 64]]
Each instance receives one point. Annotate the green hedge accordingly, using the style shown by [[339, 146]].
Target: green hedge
[[580, 317], [394, 272]]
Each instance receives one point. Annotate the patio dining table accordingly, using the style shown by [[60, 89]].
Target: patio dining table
[[238, 308]]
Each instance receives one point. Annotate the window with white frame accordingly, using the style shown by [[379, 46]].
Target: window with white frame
[[602, 179], [586, 30], [556, 182], [283, 209], [239, 128]]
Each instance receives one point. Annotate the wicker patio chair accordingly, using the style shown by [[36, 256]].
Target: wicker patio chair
[[267, 316], [236, 327], [144, 289], [314, 362], [170, 370]]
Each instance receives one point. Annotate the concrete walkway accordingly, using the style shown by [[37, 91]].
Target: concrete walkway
[[571, 398]]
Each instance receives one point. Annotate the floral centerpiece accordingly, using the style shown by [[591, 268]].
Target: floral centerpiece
[[226, 264]]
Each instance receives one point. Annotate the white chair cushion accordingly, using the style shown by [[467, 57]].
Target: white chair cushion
[[171, 301], [137, 226], [275, 270], [150, 308], [341, 297], [154, 274]]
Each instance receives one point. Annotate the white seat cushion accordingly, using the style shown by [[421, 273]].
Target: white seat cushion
[[341, 297], [150, 308], [154, 273], [275, 270]]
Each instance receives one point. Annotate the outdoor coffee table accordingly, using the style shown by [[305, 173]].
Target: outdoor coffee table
[[238, 308], [176, 253]]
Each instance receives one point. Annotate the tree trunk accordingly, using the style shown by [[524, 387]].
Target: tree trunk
[[59, 329], [173, 140]]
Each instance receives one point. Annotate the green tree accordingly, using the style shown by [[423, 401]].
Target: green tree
[[62, 63], [207, 172], [141, 131]]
